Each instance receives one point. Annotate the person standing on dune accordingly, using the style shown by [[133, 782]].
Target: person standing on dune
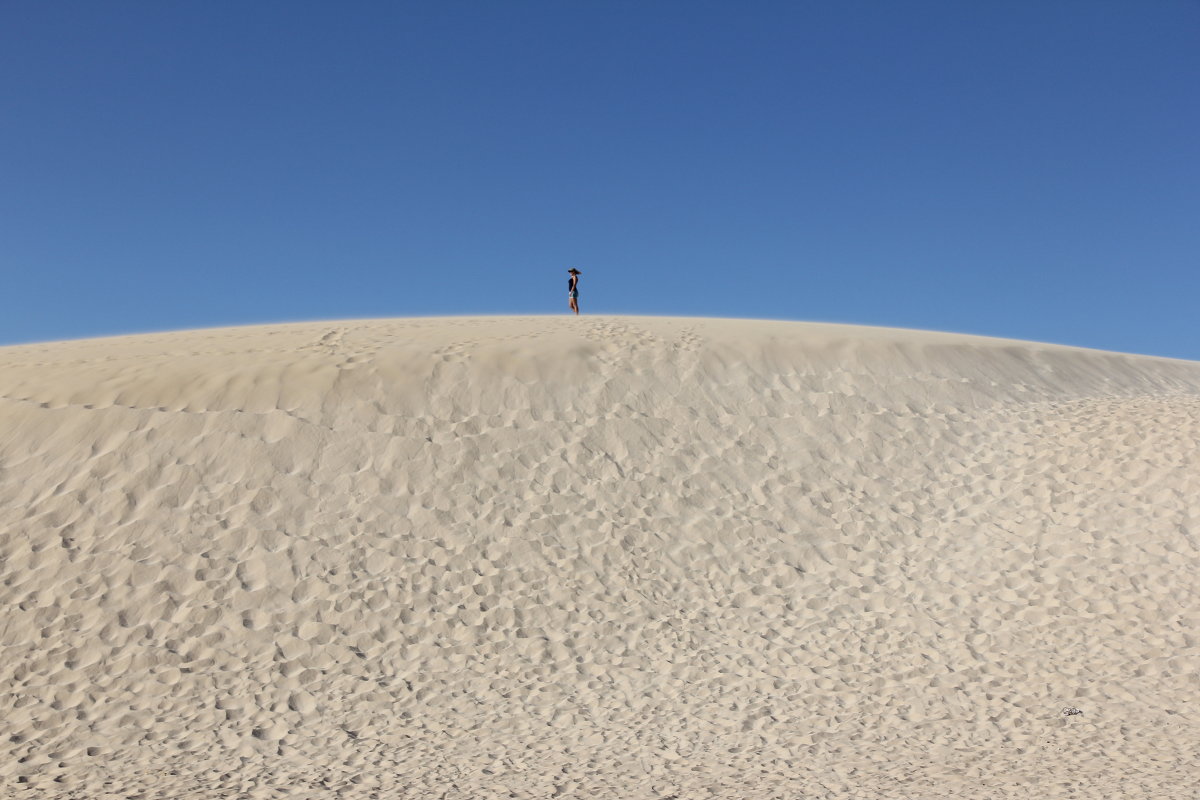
[[573, 289]]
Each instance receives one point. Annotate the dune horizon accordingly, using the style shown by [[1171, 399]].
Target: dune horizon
[[596, 556], [814, 325]]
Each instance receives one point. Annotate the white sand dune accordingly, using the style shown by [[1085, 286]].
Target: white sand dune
[[596, 557]]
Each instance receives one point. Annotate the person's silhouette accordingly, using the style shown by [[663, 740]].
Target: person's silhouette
[[573, 289]]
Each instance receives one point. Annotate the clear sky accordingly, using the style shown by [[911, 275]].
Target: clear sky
[[1020, 169]]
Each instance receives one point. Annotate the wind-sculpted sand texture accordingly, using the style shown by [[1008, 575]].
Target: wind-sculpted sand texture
[[596, 557]]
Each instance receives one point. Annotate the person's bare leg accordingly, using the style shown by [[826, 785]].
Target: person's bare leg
[[575, 306]]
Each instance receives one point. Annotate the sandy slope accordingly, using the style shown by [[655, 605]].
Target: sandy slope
[[596, 558]]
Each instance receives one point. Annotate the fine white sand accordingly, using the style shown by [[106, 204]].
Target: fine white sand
[[596, 557]]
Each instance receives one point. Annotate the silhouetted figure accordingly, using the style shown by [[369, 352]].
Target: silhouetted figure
[[573, 289]]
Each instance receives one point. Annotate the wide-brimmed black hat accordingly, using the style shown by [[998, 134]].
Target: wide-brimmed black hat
[[574, 271]]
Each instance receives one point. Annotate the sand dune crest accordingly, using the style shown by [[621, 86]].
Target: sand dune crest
[[596, 557]]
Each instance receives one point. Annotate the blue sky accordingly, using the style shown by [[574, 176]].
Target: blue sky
[[1026, 169]]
